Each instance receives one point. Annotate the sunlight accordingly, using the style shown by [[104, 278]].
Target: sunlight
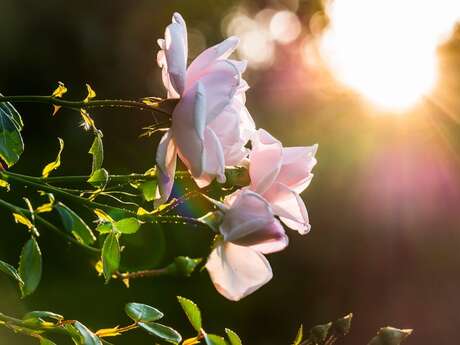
[[386, 49]]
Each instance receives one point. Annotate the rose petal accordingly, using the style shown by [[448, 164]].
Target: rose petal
[[296, 167], [188, 128], [211, 55], [287, 204], [213, 162], [237, 271], [166, 161], [175, 48], [265, 161]]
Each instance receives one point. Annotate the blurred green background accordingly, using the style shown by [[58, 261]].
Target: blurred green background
[[384, 202]]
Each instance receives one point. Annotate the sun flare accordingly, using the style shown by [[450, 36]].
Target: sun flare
[[387, 49]]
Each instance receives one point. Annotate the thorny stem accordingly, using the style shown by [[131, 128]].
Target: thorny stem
[[112, 178], [47, 224], [152, 106], [143, 274], [39, 185]]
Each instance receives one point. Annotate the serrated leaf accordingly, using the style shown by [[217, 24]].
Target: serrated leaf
[[110, 255], [234, 338], [86, 336], [299, 337], [148, 189], [74, 224], [91, 94], [11, 143], [212, 339], [11, 271], [127, 226], [30, 267], [97, 151], [142, 312], [56, 163], [192, 312], [163, 332], [99, 178]]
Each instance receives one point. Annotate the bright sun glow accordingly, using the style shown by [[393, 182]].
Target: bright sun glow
[[386, 49]]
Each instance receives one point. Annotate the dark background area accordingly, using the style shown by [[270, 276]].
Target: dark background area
[[384, 203]]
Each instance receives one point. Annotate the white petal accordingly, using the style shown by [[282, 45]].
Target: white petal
[[237, 271]]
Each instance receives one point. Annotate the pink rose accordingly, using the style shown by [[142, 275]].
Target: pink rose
[[210, 124], [248, 230], [279, 175]]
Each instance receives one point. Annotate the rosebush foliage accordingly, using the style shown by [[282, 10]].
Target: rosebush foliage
[[250, 181]]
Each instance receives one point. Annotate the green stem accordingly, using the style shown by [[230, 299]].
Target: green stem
[[44, 222], [37, 183], [87, 105], [112, 178]]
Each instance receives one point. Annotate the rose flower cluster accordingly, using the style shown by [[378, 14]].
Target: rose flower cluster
[[211, 129]]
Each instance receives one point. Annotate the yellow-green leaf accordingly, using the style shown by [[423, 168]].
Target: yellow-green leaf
[[299, 337], [97, 151], [108, 332], [4, 184], [88, 122], [192, 311], [20, 219], [91, 94], [57, 162], [110, 255], [60, 90]]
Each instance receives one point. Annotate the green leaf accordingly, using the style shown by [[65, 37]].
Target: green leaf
[[342, 326], [86, 336], [110, 255], [192, 311], [30, 267], [212, 339], [99, 178], [127, 225], [390, 336], [183, 266], [318, 334], [74, 224], [234, 338], [148, 189], [11, 271], [42, 316], [299, 336], [142, 312], [97, 151], [56, 163], [11, 143], [104, 228], [163, 332]]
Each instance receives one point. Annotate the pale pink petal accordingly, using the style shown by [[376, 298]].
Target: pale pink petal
[[265, 161], [232, 129], [289, 206], [296, 167], [237, 271], [175, 48], [166, 161], [220, 81], [249, 221], [275, 239], [211, 55], [213, 156], [161, 58], [188, 130]]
